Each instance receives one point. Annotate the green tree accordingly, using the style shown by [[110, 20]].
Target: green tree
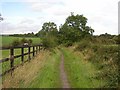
[[1, 18], [48, 28], [48, 34], [74, 29]]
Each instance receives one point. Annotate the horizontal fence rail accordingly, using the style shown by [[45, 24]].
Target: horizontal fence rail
[[12, 57]]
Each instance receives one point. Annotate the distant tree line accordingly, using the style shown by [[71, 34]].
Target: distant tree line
[[73, 30]]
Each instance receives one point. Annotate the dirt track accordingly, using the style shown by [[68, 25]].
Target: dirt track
[[63, 75]]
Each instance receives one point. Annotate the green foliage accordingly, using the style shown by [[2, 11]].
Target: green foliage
[[117, 39], [1, 18], [49, 41], [16, 42], [30, 41], [24, 35], [48, 28], [24, 41], [83, 45], [7, 40], [105, 57], [80, 73], [49, 35], [74, 29]]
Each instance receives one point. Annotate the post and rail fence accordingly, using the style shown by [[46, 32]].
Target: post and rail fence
[[12, 57]]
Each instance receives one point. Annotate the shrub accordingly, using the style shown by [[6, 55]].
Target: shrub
[[30, 41], [69, 43], [16, 42], [83, 45], [49, 42], [23, 40]]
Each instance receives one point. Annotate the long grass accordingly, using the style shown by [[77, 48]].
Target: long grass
[[41, 72], [17, 61], [49, 76], [81, 74]]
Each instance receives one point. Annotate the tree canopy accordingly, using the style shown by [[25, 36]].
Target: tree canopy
[[75, 28], [1, 18], [48, 28]]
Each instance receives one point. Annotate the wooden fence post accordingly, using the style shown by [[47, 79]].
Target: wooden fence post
[[33, 51], [36, 49], [39, 47], [22, 53], [29, 53], [12, 59]]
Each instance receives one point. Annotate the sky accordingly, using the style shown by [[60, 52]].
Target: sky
[[26, 16]]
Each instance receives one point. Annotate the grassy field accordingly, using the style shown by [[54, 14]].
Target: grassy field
[[41, 72], [6, 53], [7, 40]]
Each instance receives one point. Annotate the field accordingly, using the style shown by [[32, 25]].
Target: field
[[6, 54], [7, 40]]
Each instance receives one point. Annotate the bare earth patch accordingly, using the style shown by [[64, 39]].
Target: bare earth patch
[[63, 75]]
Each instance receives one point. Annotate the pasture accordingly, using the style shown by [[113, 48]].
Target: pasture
[[7, 40]]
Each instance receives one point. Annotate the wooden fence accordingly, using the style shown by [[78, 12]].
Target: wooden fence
[[35, 50]]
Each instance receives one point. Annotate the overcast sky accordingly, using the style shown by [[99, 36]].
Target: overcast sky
[[24, 16]]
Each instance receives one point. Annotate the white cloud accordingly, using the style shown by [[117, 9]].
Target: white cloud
[[102, 14]]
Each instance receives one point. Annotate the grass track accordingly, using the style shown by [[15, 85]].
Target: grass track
[[44, 72], [49, 76], [81, 74]]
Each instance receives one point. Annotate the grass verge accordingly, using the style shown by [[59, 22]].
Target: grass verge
[[41, 72], [81, 74]]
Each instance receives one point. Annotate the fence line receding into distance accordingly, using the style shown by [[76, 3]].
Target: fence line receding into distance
[[12, 57]]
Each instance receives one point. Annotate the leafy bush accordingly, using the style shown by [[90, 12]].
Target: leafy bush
[[30, 41], [106, 58], [83, 45], [68, 43], [23, 40], [49, 42], [16, 42]]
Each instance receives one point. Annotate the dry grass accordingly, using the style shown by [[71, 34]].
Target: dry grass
[[26, 73]]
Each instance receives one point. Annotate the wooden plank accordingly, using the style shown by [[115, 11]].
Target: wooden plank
[[5, 48], [29, 53], [33, 51], [4, 60], [22, 53], [12, 59]]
